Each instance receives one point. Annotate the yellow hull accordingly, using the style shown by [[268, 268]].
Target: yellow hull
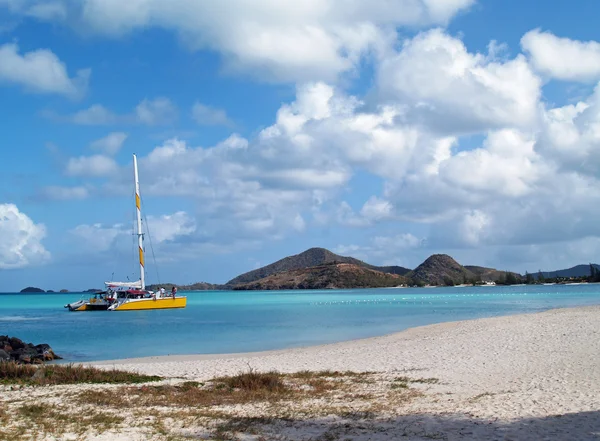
[[141, 304]]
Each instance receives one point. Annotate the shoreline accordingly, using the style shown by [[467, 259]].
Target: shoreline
[[275, 352]]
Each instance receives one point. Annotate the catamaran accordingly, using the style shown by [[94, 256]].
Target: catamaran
[[131, 296]]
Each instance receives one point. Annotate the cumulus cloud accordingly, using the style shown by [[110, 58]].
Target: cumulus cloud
[[110, 144], [453, 91], [571, 136], [21, 239], [40, 71], [118, 237], [563, 58], [530, 180], [210, 116], [314, 40], [93, 166], [168, 227]]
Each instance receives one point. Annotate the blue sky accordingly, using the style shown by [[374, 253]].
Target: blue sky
[[388, 131]]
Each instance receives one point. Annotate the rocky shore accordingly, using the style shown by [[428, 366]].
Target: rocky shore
[[14, 349]]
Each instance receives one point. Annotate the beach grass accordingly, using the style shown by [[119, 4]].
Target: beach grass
[[243, 388], [166, 409], [32, 375]]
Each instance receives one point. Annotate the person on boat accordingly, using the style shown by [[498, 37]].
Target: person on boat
[[162, 292], [174, 291]]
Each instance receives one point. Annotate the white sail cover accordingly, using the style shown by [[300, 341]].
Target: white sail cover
[[137, 284]]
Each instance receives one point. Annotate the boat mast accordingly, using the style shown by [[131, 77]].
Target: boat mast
[[140, 234]]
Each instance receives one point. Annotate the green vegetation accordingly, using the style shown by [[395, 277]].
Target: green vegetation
[[24, 374]]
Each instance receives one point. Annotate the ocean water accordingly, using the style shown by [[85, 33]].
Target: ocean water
[[242, 321]]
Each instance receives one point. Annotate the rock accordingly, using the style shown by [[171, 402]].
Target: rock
[[16, 343], [64, 290], [14, 349]]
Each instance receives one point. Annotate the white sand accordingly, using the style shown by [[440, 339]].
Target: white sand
[[539, 375]]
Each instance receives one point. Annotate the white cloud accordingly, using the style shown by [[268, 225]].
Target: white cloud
[[40, 71], [311, 40], [210, 116], [94, 115], [101, 238], [65, 193], [119, 237], [21, 239], [158, 111], [168, 227], [93, 166], [571, 136], [376, 209], [531, 180], [398, 249], [453, 91], [563, 58], [110, 144]]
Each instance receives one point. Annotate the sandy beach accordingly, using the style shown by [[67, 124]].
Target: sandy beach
[[524, 377]]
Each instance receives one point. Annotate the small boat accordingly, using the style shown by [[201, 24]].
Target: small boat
[[131, 296], [98, 302]]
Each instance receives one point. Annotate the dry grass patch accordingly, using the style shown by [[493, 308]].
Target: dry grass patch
[[47, 419], [266, 399], [403, 382], [244, 388], [25, 374]]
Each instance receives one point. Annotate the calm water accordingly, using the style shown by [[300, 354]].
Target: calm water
[[238, 321]]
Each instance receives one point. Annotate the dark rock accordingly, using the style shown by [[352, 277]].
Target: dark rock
[[14, 349], [16, 343]]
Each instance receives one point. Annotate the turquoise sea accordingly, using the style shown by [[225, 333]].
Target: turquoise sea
[[244, 321]]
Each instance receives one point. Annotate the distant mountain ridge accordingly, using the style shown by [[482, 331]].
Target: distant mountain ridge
[[307, 259], [575, 271], [326, 276], [319, 268]]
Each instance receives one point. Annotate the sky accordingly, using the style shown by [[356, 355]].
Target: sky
[[386, 130]]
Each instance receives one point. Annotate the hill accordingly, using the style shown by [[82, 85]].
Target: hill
[[576, 271], [441, 269], [484, 274], [32, 289], [327, 276], [307, 259], [199, 286]]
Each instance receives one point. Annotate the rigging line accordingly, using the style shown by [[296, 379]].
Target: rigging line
[[150, 240]]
